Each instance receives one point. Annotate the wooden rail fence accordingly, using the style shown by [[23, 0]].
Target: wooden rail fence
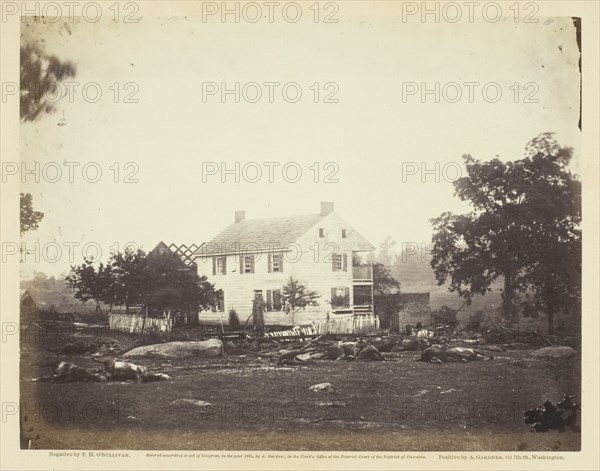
[[136, 324], [348, 325]]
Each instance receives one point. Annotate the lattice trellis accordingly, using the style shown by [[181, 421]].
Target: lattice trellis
[[184, 252]]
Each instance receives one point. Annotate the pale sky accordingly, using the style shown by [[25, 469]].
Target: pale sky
[[368, 134]]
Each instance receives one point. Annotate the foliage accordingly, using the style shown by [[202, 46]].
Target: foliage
[[39, 78], [383, 280], [561, 417], [234, 320], [296, 296], [90, 282], [445, 315], [384, 254], [475, 320], [524, 229], [158, 281], [30, 219]]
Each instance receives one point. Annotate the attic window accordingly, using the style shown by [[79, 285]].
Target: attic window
[[321, 232], [343, 233]]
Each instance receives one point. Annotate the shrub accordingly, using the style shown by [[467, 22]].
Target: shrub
[[475, 321], [234, 320], [445, 315]]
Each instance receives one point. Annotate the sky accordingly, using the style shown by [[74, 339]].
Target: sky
[[373, 142]]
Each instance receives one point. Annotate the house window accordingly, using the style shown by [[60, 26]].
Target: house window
[[340, 262], [275, 262], [343, 233], [219, 265], [247, 264], [274, 300], [321, 232], [340, 297]]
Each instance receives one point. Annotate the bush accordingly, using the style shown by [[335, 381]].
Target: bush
[[445, 316], [153, 335], [234, 320], [475, 321]]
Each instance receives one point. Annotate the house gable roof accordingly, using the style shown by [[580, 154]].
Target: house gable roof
[[259, 235]]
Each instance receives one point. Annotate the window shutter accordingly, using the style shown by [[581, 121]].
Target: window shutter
[[269, 262], [333, 260], [224, 264], [214, 265], [241, 264], [333, 296], [269, 301], [281, 262], [222, 303], [347, 296], [251, 263], [345, 262]]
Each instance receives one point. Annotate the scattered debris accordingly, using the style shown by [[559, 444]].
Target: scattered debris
[[191, 402], [450, 390], [332, 404], [323, 387], [422, 392]]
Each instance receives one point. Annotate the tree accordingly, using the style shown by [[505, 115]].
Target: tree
[[384, 255], [164, 282], [524, 212], [30, 219], [296, 296], [554, 237], [383, 280], [158, 281], [386, 302], [90, 282], [126, 282], [40, 75]]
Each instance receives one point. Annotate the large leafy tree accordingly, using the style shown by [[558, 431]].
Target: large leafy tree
[[553, 238], [92, 282], [164, 282], [159, 281], [127, 282], [525, 214], [30, 219]]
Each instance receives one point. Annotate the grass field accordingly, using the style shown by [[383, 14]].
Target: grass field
[[398, 405]]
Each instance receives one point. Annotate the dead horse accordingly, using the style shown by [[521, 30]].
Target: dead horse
[[442, 355], [123, 371]]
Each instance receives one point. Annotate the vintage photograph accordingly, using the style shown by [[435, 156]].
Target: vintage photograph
[[298, 226]]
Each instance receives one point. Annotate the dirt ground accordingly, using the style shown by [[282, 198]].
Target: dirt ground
[[398, 405]]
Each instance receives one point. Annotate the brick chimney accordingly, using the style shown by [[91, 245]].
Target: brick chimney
[[326, 208], [240, 216]]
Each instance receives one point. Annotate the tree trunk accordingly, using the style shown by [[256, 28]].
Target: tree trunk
[[550, 322], [508, 299]]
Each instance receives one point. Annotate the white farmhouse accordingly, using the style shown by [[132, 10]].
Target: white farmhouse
[[256, 258]]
